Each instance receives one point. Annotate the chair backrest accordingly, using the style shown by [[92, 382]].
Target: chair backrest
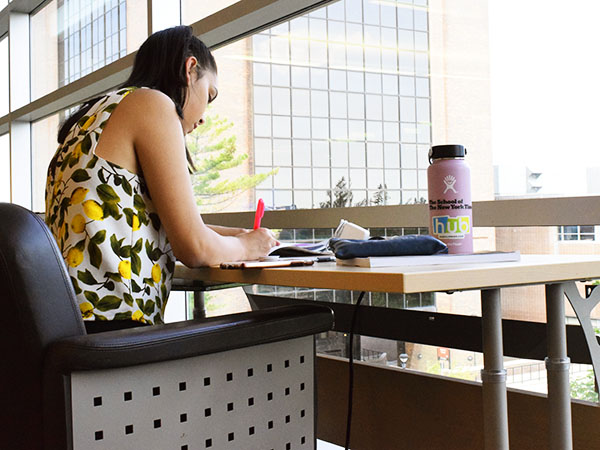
[[37, 307]]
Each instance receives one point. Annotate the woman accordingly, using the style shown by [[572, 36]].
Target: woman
[[119, 199]]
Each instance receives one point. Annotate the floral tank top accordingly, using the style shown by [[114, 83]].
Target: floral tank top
[[117, 253]]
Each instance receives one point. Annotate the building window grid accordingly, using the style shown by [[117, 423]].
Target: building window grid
[[410, 194], [577, 233], [381, 299], [92, 33]]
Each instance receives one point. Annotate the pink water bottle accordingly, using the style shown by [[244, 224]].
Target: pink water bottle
[[450, 209]]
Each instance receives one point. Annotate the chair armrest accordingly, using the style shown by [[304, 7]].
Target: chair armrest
[[171, 341]]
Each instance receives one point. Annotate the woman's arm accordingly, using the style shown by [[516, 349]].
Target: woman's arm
[[160, 148], [227, 231]]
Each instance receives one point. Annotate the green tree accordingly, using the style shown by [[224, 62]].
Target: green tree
[[214, 151], [419, 201], [341, 196], [381, 196], [584, 388]]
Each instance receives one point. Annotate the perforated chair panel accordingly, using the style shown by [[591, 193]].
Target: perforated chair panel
[[254, 398]]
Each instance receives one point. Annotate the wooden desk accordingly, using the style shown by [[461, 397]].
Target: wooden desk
[[557, 272]]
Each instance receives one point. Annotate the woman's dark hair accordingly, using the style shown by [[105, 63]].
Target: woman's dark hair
[[160, 64]]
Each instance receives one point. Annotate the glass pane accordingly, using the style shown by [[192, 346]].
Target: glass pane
[[320, 154], [390, 108], [374, 155], [339, 154], [70, 39], [263, 154], [165, 14], [300, 77], [301, 153], [572, 106], [262, 74], [282, 152], [44, 145], [301, 127], [3, 76], [302, 178], [4, 169], [332, 85], [300, 102], [282, 127], [281, 101], [262, 100], [373, 83]]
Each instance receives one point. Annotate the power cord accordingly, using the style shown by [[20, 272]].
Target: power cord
[[351, 369]]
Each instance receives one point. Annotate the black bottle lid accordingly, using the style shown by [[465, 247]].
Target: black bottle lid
[[447, 151]]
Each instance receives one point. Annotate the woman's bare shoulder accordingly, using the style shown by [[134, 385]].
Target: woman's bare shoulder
[[152, 123], [146, 111], [150, 100]]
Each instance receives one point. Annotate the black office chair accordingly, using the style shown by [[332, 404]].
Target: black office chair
[[241, 381]]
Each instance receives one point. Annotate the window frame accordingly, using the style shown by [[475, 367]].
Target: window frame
[[242, 19]]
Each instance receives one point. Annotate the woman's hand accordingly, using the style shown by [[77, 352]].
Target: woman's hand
[[258, 242]]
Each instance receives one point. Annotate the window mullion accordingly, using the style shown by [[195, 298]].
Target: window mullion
[[19, 94], [19, 61]]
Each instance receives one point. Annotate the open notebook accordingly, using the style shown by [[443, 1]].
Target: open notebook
[[301, 249]]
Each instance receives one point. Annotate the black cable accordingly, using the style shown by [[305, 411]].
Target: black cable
[[351, 369]]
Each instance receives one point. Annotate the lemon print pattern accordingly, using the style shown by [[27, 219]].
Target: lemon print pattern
[[88, 122], [78, 195], [93, 210], [135, 223], [156, 273], [77, 151], [125, 269], [102, 216], [74, 257], [78, 224], [86, 309]]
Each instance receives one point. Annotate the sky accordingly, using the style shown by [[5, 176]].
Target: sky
[[545, 87]]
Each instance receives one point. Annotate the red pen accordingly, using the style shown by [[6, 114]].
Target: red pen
[[260, 212]]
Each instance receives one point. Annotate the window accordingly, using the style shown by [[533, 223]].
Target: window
[[3, 76], [165, 14], [327, 114], [518, 83], [4, 169], [343, 103], [577, 233], [89, 37], [345, 84], [44, 145], [70, 39]]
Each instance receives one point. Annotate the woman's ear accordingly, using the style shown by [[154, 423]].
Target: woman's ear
[[190, 65]]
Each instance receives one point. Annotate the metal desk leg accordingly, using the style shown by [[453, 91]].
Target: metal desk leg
[[199, 306], [493, 375], [557, 366]]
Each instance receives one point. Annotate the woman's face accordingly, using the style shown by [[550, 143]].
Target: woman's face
[[201, 91]]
